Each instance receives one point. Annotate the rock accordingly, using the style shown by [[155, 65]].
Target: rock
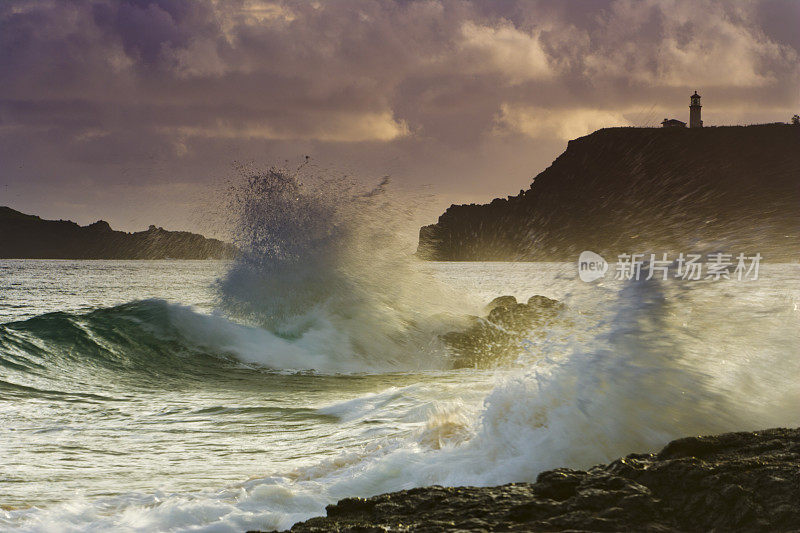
[[499, 315], [101, 226], [503, 335], [30, 237], [543, 302], [735, 482], [501, 301], [583, 200]]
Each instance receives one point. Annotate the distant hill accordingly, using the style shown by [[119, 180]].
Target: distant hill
[[30, 237], [630, 190]]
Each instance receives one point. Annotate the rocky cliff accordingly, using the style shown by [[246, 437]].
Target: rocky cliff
[[629, 190], [731, 482], [30, 237]]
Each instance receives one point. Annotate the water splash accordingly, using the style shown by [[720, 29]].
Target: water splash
[[324, 265]]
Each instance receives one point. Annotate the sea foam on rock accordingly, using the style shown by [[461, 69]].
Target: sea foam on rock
[[501, 336], [747, 481]]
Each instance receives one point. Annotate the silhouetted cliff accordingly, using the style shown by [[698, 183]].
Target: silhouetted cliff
[[629, 190], [29, 237]]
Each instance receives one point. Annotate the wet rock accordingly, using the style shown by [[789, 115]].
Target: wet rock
[[731, 482], [538, 301], [501, 301], [501, 337]]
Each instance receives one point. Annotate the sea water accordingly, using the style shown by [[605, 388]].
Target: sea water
[[226, 396], [137, 396]]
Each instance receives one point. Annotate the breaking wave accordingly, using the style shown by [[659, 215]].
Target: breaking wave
[[323, 262], [324, 283]]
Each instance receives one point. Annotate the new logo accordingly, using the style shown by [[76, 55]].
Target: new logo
[[591, 266]]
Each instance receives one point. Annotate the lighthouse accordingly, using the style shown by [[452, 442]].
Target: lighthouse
[[694, 111]]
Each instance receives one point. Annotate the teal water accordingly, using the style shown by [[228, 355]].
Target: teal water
[[133, 399]]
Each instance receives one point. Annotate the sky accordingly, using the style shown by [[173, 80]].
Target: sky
[[139, 112]]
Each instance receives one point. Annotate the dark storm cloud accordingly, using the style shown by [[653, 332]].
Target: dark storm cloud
[[146, 93], [144, 27]]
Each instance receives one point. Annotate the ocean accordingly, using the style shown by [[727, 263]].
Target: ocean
[[203, 396]]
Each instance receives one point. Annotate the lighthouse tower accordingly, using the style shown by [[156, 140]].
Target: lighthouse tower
[[694, 111]]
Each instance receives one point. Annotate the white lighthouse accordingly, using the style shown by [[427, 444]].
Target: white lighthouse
[[694, 111]]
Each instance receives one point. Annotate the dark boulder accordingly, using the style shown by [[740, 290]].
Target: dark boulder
[[505, 333], [733, 482], [543, 302], [501, 301]]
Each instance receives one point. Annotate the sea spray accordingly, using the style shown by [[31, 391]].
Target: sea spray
[[638, 383], [323, 265], [642, 379], [647, 362]]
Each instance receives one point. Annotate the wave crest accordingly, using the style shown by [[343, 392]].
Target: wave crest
[[324, 264]]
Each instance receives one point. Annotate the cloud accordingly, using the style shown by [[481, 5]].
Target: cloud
[[503, 51], [546, 123], [327, 127], [679, 44], [96, 91]]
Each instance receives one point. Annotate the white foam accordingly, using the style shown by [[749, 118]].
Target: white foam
[[644, 374], [323, 263]]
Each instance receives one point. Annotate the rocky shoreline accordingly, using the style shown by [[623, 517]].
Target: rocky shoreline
[[748, 481], [25, 236]]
